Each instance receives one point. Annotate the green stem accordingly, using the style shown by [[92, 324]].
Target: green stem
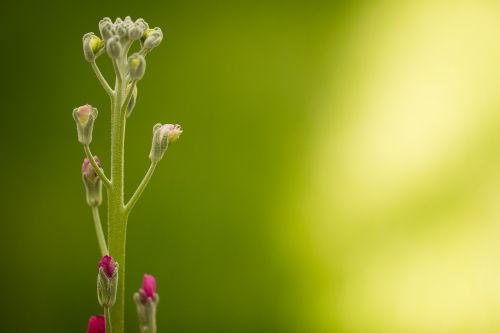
[[117, 218], [98, 229], [101, 79], [140, 188], [107, 316], [97, 168]]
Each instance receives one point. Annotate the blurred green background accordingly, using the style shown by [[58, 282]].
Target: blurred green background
[[339, 169]]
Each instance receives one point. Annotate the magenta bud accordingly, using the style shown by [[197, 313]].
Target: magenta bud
[[146, 301], [108, 265], [96, 324], [107, 281], [148, 289]]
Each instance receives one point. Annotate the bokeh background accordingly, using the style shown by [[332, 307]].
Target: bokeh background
[[339, 169]]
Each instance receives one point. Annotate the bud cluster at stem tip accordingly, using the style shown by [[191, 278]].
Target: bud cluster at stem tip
[[163, 135]]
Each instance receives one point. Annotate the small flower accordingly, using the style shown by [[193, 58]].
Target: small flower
[[96, 324], [92, 182], [107, 281], [136, 66], [152, 38], [148, 289], [163, 135], [146, 300], [91, 46], [84, 117], [108, 265]]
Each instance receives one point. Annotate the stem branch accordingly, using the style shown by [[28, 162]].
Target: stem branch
[[101, 79], [98, 229], [140, 188], [96, 167]]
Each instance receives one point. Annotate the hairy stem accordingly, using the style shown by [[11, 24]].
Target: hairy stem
[[101, 79], [140, 188], [117, 218], [107, 316], [98, 229]]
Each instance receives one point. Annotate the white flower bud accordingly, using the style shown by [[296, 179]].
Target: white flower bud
[[91, 46], [106, 28], [113, 47], [163, 135], [136, 66], [152, 38]]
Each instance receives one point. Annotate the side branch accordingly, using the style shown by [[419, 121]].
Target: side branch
[[100, 234], [97, 169], [101, 79], [140, 188]]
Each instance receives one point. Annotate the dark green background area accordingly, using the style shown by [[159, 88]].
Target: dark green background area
[[339, 170], [239, 77]]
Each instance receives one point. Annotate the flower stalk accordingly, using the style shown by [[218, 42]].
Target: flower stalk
[[116, 40]]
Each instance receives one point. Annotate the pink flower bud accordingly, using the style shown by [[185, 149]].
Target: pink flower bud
[[96, 324], [108, 265], [148, 289], [88, 171], [83, 113]]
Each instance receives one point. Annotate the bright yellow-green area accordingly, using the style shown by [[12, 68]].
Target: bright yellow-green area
[[338, 170]]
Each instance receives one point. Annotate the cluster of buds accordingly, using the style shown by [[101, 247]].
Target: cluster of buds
[[107, 282], [118, 36], [92, 182], [146, 300]]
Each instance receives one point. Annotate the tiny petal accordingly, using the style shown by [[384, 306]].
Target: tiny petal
[[149, 286], [96, 324], [108, 265]]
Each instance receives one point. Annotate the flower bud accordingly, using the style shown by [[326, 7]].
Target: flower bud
[[133, 99], [84, 117], [136, 30], [152, 38], [113, 47], [162, 136], [136, 66], [92, 182], [146, 300], [97, 324], [91, 46], [107, 281], [106, 28]]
